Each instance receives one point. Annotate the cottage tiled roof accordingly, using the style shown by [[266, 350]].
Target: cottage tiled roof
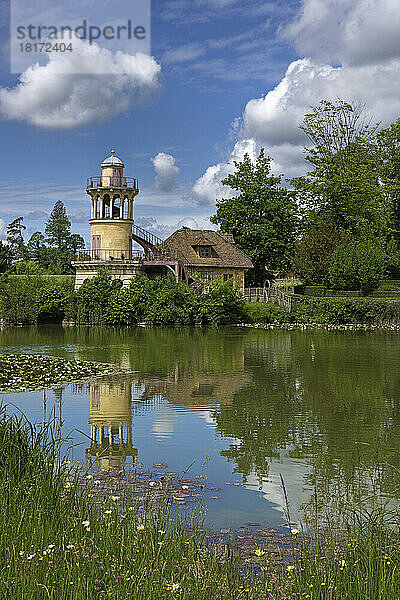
[[225, 253]]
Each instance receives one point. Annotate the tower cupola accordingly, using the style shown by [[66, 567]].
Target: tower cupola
[[112, 161]]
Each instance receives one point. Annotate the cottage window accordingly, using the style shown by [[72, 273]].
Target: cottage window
[[205, 251], [227, 276]]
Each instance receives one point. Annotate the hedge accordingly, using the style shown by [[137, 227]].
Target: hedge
[[320, 291], [265, 312], [385, 294], [342, 311]]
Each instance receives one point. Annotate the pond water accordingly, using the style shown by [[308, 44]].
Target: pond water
[[315, 407]]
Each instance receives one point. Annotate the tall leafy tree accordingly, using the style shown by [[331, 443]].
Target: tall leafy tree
[[58, 227], [15, 238], [35, 246], [343, 188], [75, 242], [388, 149], [5, 257], [263, 217]]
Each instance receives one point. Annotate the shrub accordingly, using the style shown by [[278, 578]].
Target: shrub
[[314, 290], [393, 259], [342, 293], [266, 312], [32, 298], [160, 301], [92, 299], [342, 311], [226, 304], [28, 267], [357, 265]]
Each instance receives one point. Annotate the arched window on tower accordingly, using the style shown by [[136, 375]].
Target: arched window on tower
[[97, 207], [116, 207], [107, 202], [125, 209]]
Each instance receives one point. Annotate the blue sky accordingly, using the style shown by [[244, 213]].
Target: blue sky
[[227, 76]]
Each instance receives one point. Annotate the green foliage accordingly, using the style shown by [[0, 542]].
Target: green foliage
[[169, 302], [15, 238], [266, 312], [33, 298], [48, 553], [160, 301], [58, 226], [5, 257], [35, 246], [313, 253], [90, 303], [320, 291], [393, 259], [314, 290], [388, 151], [343, 189], [62, 243], [28, 267], [52, 254], [342, 293], [262, 218], [343, 311], [357, 265]]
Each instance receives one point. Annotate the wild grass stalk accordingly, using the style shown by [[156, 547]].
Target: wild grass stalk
[[58, 542]]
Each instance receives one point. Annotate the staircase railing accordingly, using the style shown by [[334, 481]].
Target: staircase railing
[[147, 236]]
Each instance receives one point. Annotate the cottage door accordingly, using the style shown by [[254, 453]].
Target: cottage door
[[96, 246]]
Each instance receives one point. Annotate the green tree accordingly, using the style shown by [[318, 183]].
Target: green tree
[[388, 149], [5, 257], [35, 246], [15, 238], [344, 187], [58, 227], [75, 242], [358, 265], [312, 258], [263, 217]]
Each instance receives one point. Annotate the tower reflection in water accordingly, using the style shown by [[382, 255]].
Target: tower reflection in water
[[110, 425]]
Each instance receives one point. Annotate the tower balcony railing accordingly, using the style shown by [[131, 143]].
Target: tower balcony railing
[[109, 181], [103, 255]]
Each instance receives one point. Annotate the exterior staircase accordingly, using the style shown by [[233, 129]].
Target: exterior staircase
[[151, 244]]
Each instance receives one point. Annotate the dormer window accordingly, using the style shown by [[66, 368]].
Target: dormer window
[[205, 251]]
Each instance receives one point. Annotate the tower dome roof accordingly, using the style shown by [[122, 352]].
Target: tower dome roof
[[112, 161]]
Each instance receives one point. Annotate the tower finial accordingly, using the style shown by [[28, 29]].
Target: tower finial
[[112, 151]]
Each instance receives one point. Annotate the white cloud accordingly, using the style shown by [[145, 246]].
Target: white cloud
[[209, 187], [184, 53], [37, 215], [90, 84], [163, 230], [347, 31], [166, 171], [272, 121], [3, 230]]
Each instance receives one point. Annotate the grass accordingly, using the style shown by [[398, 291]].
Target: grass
[[56, 542]]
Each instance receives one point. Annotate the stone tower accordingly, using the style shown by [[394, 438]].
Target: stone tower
[[111, 221], [111, 225]]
